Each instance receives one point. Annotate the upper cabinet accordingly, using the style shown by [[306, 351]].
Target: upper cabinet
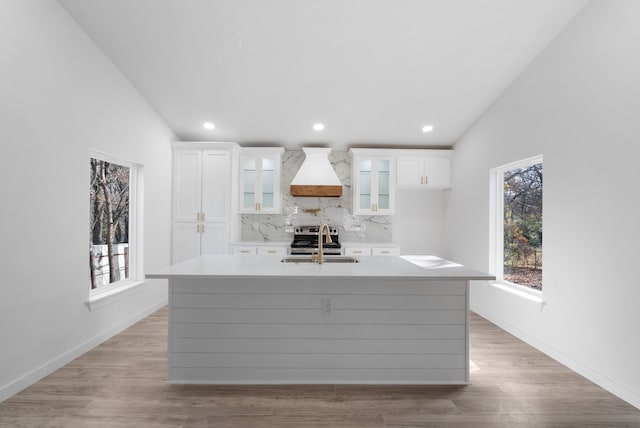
[[260, 180], [201, 183], [428, 169], [372, 181]]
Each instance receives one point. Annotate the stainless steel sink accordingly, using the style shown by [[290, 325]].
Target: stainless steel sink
[[327, 259]]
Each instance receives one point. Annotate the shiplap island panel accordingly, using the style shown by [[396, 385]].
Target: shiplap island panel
[[255, 320]]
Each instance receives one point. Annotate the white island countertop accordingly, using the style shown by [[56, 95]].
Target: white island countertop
[[235, 266]]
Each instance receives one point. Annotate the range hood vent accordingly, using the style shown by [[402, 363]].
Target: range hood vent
[[316, 176]]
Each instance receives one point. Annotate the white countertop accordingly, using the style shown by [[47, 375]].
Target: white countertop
[[236, 266]]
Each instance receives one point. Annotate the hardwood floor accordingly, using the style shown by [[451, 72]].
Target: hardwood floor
[[122, 383]]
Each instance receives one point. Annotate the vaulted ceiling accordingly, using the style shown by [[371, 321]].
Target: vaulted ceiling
[[374, 72]]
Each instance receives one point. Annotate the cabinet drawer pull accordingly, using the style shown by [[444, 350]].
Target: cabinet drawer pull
[[385, 252], [245, 251], [271, 251]]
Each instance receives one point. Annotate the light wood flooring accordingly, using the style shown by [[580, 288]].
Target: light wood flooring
[[121, 383]]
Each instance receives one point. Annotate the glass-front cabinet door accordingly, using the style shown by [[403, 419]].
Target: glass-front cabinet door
[[373, 185], [260, 180], [268, 194], [249, 180]]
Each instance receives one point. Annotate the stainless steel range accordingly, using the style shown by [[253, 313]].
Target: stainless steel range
[[305, 241]]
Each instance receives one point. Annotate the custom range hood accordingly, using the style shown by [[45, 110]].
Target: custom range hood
[[316, 176]]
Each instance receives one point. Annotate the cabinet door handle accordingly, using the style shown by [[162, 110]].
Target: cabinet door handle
[[421, 180], [201, 216], [426, 180]]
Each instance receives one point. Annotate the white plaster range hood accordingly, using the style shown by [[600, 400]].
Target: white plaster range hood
[[316, 176]]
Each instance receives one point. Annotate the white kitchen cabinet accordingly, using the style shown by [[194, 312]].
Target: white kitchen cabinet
[[263, 250], [385, 251], [194, 239], [201, 199], [259, 179], [426, 169], [371, 250], [271, 251], [244, 250], [357, 251], [373, 182], [201, 185]]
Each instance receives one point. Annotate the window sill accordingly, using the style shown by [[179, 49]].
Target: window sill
[[520, 291], [99, 299]]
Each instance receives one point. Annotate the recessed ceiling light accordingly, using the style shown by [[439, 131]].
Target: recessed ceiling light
[[427, 128], [208, 125], [318, 127]]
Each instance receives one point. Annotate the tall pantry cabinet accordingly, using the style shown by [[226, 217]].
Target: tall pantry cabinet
[[201, 199]]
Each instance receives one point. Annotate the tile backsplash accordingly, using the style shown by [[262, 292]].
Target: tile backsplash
[[334, 211]]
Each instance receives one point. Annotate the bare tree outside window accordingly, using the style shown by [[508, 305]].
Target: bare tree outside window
[[109, 223], [523, 226]]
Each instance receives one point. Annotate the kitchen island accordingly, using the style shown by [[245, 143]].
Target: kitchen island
[[257, 320]]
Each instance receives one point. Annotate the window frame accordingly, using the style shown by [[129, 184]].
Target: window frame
[[108, 293], [496, 227]]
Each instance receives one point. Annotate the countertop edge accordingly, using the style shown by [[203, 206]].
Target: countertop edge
[[478, 277]]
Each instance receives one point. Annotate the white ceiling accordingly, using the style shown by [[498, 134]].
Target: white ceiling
[[373, 71]]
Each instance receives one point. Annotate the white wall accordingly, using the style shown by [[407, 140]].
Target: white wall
[[418, 225], [61, 97], [578, 105]]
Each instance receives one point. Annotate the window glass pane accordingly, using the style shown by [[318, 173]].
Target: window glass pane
[[109, 223], [364, 167], [248, 200], [365, 202], [267, 200], [383, 202], [384, 183], [268, 179], [522, 226], [268, 164]]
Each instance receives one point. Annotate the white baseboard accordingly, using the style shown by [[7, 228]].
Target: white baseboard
[[591, 374], [35, 375]]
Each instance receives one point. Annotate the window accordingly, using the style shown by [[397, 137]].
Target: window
[[113, 220], [517, 223]]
